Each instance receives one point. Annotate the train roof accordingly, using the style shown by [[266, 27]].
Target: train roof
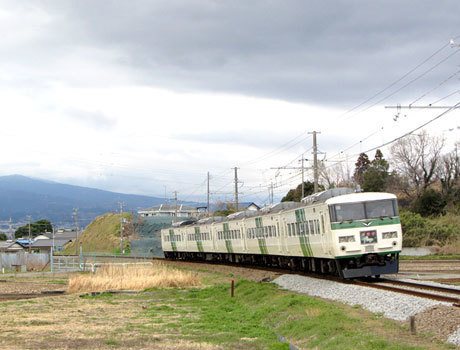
[[360, 197], [325, 195]]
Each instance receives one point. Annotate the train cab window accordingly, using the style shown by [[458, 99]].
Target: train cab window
[[363, 210]]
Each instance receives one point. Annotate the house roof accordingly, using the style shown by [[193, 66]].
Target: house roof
[[44, 243], [169, 207], [241, 205], [62, 235], [9, 245], [24, 242]]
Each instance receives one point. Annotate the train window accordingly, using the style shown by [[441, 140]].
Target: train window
[[322, 223], [275, 231], [379, 209], [312, 227], [302, 229], [350, 211], [317, 226]]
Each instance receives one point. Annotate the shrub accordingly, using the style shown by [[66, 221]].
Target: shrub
[[419, 231], [430, 203]]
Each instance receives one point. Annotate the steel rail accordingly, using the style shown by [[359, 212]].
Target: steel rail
[[454, 301], [421, 286]]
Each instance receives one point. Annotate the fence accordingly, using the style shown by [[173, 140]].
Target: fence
[[63, 263], [23, 261]]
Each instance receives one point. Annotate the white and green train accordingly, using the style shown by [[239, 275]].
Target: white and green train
[[338, 232]]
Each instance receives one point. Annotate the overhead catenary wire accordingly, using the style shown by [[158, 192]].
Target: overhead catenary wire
[[435, 88], [414, 130], [407, 84], [396, 81]]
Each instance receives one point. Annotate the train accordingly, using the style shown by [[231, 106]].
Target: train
[[339, 232]]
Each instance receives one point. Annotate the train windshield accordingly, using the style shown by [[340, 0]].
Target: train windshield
[[364, 210]]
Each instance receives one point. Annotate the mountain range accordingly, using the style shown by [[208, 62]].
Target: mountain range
[[21, 196]]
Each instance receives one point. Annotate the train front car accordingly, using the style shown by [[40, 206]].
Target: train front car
[[366, 234]]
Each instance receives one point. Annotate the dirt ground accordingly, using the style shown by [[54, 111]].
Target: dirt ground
[[71, 322]]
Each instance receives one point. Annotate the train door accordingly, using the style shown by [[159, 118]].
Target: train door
[[325, 234]]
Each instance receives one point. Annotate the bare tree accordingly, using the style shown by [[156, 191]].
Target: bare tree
[[416, 158], [337, 175], [449, 171]]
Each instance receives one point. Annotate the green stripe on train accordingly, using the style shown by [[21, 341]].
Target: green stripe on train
[[263, 246], [228, 244], [173, 246], [199, 245], [305, 246], [365, 223], [300, 215]]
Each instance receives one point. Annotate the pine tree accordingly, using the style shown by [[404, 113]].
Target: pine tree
[[361, 166], [376, 176]]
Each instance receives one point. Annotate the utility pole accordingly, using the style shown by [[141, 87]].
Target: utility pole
[[236, 189], [30, 235], [121, 228], [207, 208], [10, 230], [315, 161], [303, 181], [175, 205], [77, 229], [270, 192]]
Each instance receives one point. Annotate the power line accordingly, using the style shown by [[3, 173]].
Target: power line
[[407, 84], [417, 128], [436, 87], [396, 81]]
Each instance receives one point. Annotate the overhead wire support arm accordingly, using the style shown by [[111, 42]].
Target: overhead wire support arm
[[421, 107]]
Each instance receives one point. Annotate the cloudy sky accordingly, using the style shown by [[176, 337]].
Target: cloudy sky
[[146, 97]]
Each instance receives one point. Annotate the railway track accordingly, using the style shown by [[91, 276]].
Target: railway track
[[449, 295]]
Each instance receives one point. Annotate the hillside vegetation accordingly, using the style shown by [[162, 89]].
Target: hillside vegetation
[[102, 235]]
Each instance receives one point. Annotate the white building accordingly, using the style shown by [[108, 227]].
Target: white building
[[170, 210]]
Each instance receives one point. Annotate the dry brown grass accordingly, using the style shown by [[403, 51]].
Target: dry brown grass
[[452, 248], [132, 277]]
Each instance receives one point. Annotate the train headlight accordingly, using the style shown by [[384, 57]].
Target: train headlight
[[392, 234], [395, 243], [343, 248], [345, 239]]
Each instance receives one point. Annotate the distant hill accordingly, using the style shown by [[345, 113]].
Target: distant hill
[[21, 196], [102, 235]]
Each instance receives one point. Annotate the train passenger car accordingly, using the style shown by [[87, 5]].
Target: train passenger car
[[337, 232]]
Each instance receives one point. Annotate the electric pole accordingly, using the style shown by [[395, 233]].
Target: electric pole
[[121, 228], [175, 205], [30, 235], [315, 161], [76, 233], [303, 181], [270, 192], [236, 189], [207, 208]]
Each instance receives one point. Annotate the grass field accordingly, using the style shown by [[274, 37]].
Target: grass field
[[203, 317]]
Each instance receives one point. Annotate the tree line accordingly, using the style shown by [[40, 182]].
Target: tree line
[[425, 178]]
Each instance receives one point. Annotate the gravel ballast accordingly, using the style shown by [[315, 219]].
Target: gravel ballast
[[391, 304]]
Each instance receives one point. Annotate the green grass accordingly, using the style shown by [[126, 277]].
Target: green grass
[[250, 318], [431, 257]]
